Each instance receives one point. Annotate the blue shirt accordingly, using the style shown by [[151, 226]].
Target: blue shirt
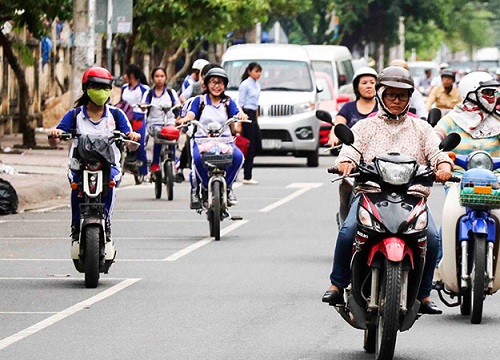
[[249, 91], [350, 112]]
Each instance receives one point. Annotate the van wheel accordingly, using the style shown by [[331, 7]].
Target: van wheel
[[313, 158]]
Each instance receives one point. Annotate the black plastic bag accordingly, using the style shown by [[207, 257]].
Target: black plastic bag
[[8, 198]]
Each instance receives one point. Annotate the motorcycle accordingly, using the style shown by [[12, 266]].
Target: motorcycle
[[469, 269], [130, 164], [390, 245], [217, 155], [93, 253], [167, 136]]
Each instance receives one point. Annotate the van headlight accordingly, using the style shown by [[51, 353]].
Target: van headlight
[[303, 107]]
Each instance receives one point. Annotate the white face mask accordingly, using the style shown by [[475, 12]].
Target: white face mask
[[487, 102]]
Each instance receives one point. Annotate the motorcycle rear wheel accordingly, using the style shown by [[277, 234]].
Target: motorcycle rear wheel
[[478, 278], [214, 212], [389, 311], [91, 260], [370, 339], [465, 302], [169, 179]]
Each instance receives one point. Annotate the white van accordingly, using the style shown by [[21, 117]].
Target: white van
[[336, 61], [288, 98]]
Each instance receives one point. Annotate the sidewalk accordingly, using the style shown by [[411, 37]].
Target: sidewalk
[[41, 174]]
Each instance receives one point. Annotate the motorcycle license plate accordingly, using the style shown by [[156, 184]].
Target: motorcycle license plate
[[271, 144], [482, 189]]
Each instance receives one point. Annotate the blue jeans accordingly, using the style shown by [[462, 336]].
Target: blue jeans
[[341, 271], [201, 173]]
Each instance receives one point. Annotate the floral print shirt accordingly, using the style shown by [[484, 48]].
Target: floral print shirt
[[379, 134]]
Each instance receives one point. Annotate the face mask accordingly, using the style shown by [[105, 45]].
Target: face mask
[[99, 96]]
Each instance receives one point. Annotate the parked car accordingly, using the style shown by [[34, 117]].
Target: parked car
[[336, 61], [417, 70], [288, 98], [328, 101]]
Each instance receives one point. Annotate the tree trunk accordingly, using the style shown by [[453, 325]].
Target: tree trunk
[[25, 125]]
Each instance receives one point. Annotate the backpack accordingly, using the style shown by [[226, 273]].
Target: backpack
[[225, 101], [127, 109], [149, 97]]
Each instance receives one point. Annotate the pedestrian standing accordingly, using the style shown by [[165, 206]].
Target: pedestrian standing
[[248, 100]]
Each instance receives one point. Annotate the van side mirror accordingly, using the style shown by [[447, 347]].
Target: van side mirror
[[319, 88], [342, 80]]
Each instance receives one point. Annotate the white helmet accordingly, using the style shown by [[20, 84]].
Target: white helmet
[[471, 86], [198, 64], [444, 65], [362, 71]]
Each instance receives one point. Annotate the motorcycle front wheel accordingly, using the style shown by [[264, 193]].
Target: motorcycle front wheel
[[91, 260], [158, 183], [478, 278], [388, 312], [168, 168], [214, 211]]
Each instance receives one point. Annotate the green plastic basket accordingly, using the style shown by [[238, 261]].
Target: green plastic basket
[[475, 197]]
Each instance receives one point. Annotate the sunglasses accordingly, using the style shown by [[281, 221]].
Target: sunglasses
[[489, 92]]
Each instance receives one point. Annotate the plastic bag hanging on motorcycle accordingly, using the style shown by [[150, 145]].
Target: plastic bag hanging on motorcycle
[[242, 143], [8, 198], [95, 148]]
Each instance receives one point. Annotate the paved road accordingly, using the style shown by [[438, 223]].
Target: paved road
[[173, 293]]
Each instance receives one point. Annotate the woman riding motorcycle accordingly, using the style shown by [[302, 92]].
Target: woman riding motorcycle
[[91, 115], [388, 131], [213, 106], [475, 120], [363, 83]]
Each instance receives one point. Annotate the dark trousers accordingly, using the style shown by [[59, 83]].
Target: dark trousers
[[252, 132]]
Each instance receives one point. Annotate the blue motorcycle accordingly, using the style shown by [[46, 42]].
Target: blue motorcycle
[[471, 216]]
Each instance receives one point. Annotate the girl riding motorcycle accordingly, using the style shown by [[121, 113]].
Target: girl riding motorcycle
[[213, 106], [92, 116], [388, 131]]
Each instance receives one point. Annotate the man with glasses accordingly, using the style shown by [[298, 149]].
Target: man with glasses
[[390, 130]]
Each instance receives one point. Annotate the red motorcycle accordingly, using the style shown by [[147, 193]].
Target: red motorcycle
[[390, 246]]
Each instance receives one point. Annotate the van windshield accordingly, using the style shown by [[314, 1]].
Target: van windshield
[[277, 75]]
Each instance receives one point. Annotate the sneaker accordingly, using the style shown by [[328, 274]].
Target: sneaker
[[195, 201], [250, 182], [231, 199], [74, 234], [155, 167], [179, 177]]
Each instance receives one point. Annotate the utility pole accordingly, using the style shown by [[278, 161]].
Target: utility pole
[[84, 41]]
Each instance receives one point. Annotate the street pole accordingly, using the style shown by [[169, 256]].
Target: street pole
[[109, 35], [84, 40]]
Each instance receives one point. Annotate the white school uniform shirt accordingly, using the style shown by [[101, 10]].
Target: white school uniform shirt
[[156, 116]]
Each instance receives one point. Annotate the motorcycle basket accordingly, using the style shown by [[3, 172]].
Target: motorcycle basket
[[480, 193], [216, 151]]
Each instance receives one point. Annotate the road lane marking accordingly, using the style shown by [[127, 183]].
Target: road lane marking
[[27, 312], [302, 188], [202, 242], [65, 313]]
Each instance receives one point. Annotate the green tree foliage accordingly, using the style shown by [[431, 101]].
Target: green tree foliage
[[29, 14]]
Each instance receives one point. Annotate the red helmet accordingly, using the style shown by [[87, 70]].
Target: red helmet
[[97, 74], [169, 133]]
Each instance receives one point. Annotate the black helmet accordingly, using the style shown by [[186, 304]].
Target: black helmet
[[396, 77], [216, 72], [449, 73]]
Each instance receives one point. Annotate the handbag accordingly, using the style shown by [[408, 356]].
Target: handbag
[[242, 143]]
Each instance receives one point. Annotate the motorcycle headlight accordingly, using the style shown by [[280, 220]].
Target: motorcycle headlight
[[395, 173], [421, 221], [94, 166], [364, 217], [480, 160]]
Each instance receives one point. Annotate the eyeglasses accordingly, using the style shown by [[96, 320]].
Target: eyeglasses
[[392, 97], [489, 92], [215, 82]]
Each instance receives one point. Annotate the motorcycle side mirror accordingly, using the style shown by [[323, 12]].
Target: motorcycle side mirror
[[450, 142], [434, 116], [324, 116], [345, 134]]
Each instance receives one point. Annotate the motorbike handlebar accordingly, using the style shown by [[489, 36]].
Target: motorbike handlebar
[[454, 179], [333, 170]]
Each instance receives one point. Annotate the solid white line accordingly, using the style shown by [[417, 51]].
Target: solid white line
[[114, 220], [303, 187], [55, 278], [65, 313], [26, 312], [204, 241], [42, 210]]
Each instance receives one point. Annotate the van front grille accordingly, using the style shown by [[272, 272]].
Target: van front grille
[[280, 110]]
